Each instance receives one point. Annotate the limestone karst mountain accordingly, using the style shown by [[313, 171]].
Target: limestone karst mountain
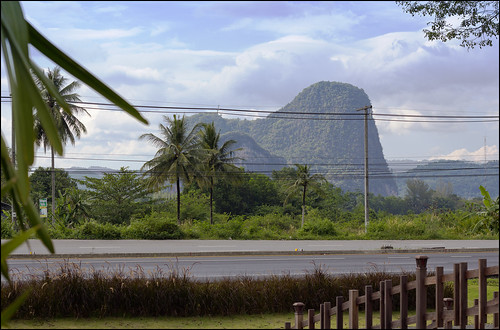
[[319, 127]]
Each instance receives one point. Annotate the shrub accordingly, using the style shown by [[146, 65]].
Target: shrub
[[94, 230], [157, 225], [7, 226]]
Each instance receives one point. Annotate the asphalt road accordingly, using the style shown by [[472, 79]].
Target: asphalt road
[[229, 258], [216, 267]]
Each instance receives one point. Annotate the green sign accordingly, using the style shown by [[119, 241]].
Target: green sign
[[43, 207]]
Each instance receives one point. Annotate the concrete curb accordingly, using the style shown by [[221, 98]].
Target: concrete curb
[[243, 253]]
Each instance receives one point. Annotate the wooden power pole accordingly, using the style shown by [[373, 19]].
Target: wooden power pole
[[366, 166]]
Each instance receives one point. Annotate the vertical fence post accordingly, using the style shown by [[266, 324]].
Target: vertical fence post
[[456, 293], [482, 293], [353, 309], [322, 316], [368, 307], [421, 298], [476, 317], [463, 295], [388, 304], [299, 314], [403, 301], [495, 315], [327, 324], [448, 305], [310, 318], [340, 314], [382, 304], [439, 296]]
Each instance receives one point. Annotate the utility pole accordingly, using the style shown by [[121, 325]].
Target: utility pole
[[366, 165]]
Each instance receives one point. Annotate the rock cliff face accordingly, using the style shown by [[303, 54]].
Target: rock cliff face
[[319, 127]]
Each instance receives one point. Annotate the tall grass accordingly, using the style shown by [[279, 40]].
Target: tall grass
[[72, 292]]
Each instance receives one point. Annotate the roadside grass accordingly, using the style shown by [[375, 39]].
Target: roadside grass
[[256, 321]]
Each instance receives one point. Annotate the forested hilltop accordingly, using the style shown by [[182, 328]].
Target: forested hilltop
[[318, 127], [453, 177]]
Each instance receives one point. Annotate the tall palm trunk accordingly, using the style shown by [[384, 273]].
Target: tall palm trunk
[[303, 205], [178, 201], [211, 199], [53, 183]]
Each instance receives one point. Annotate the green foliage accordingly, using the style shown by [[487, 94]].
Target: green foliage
[[7, 226], [92, 229], [17, 37], [177, 157], [40, 181], [478, 20], [116, 196], [157, 225], [418, 195], [244, 197], [489, 213]]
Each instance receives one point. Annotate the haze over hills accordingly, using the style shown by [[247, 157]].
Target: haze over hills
[[320, 127]]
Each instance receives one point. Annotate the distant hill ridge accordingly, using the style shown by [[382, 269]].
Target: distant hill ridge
[[334, 144]]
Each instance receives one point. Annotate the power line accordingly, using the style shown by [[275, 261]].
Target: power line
[[260, 112]]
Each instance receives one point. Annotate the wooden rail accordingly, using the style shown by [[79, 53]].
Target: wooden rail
[[449, 312]]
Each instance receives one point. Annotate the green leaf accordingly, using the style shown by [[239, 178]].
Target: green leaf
[[486, 197], [11, 245], [79, 72]]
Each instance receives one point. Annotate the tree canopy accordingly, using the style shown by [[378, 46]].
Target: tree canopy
[[478, 20]]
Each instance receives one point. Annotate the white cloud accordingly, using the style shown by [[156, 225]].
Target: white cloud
[[475, 156]]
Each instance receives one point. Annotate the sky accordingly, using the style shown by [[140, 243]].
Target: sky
[[260, 55]]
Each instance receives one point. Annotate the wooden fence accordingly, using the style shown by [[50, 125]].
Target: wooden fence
[[448, 311]]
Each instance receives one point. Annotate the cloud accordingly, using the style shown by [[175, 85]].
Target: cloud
[[475, 156]]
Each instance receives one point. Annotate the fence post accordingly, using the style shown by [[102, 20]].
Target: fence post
[[310, 318], [368, 307], [327, 324], [439, 296], [382, 304], [463, 295], [456, 293], [403, 301], [421, 273], [322, 316], [353, 309], [495, 315], [448, 305], [482, 293], [299, 314], [340, 314], [388, 304], [476, 317]]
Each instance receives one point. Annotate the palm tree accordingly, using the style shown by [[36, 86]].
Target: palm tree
[[218, 160], [302, 179], [67, 124], [177, 158]]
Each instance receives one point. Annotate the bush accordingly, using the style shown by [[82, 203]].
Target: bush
[[316, 227], [94, 230], [7, 226], [157, 225]]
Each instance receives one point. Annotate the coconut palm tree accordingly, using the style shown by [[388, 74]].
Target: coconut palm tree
[[177, 158], [218, 161], [303, 180], [68, 125]]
